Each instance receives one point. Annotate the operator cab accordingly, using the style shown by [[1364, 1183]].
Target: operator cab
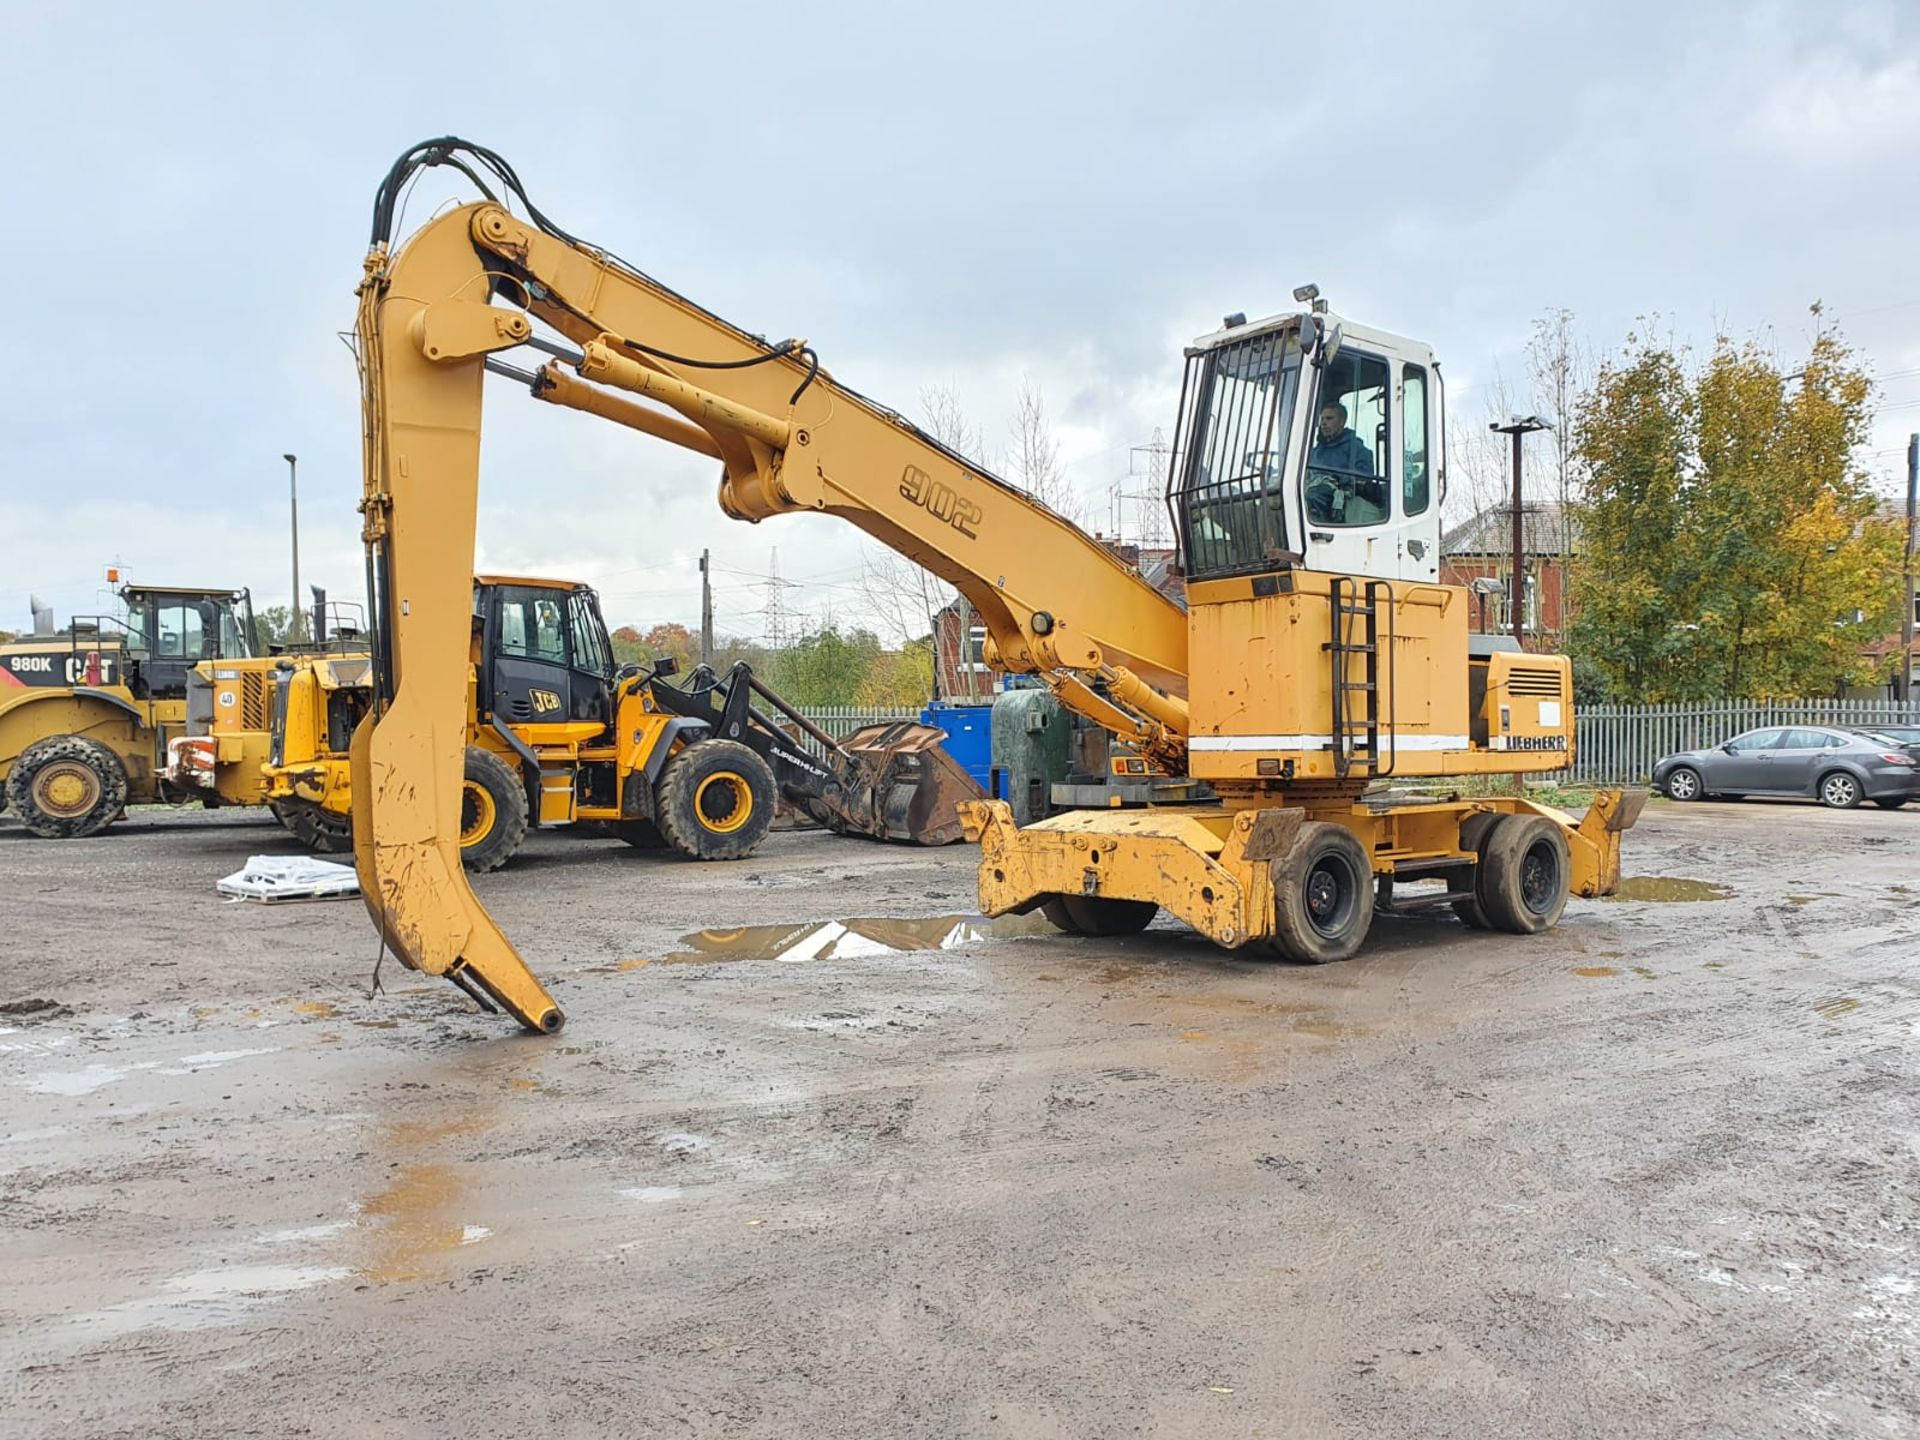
[[171, 629], [1308, 441], [544, 656]]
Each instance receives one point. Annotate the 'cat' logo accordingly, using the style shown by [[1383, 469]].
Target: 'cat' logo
[[543, 701]]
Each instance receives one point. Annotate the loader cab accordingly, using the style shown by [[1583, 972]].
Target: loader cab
[[543, 656], [169, 630], [1307, 441]]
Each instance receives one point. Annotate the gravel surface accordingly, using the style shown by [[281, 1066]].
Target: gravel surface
[[1653, 1174]]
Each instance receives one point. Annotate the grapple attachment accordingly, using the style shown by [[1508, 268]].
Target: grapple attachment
[[897, 782]]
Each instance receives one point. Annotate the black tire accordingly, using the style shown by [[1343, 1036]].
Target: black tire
[[1525, 873], [1475, 831], [1683, 783], [321, 831], [1839, 791], [641, 834], [1098, 914], [714, 800], [67, 787], [1890, 802], [493, 812], [1323, 895]]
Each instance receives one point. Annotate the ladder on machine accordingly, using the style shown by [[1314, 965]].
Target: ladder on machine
[[1357, 609]]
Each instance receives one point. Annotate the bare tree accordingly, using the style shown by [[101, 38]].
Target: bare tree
[[1034, 459], [1561, 370]]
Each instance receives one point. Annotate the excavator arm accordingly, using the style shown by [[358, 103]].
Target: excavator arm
[[455, 301]]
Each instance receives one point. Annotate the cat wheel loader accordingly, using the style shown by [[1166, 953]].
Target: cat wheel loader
[[1318, 656], [86, 714]]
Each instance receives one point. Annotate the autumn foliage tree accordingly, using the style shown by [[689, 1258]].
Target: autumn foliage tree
[[1728, 540]]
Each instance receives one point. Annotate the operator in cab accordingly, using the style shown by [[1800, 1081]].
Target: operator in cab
[[1342, 488]]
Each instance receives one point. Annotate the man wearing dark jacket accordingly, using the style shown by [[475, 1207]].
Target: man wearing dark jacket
[[1341, 486]]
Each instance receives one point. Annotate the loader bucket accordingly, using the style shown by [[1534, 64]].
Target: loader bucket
[[913, 788]]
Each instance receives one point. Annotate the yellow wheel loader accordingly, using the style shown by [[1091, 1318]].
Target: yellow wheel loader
[[557, 733], [1318, 656], [86, 714]]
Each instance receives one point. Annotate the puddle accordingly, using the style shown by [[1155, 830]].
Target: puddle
[[1668, 888], [411, 1224], [860, 938], [319, 1009], [203, 1299], [653, 1194], [79, 1082], [1595, 972], [1644, 973], [1835, 1008]]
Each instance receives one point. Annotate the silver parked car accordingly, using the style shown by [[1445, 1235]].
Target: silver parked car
[[1834, 766]]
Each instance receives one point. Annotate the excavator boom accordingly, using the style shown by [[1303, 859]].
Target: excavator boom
[[438, 312]]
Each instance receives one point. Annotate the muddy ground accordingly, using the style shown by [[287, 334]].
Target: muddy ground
[[1653, 1175]]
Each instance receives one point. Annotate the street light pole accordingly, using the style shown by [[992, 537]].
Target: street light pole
[[293, 499], [1517, 586]]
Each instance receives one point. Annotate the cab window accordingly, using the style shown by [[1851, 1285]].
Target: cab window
[[588, 651], [1347, 474], [1415, 487], [532, 624], [181, 636]]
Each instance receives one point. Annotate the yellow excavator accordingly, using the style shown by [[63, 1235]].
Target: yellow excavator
[[1318, 655]]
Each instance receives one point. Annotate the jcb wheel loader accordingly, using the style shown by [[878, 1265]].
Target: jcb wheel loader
[[1317, 656], [557, 734]]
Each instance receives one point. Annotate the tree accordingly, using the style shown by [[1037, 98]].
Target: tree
[[1033, 462], [1559, 364], [667, 639], [275, 624], [825, 667], [1729, 540], [899, 679]]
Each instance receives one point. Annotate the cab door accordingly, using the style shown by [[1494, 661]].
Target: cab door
[[529, 671], [1372, 442]]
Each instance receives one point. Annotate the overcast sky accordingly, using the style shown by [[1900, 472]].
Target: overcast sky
[[960, 195]]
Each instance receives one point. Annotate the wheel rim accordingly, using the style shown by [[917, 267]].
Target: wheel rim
[[1681, 784], [66, 790], [1840, 790], [1540, 877], [724, 802], [1330, 891], [477, 814]]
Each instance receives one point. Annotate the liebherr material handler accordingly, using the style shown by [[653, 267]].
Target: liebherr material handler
[[1319, 653]]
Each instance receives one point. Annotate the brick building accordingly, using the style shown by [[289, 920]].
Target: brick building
[[1481, 550]]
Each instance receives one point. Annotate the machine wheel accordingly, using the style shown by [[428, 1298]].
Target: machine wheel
[[67, 787], [1839, 791], [714, 800], [1683, 783], [641, 834], [319, 830], [1098, 914], [1524, 874], [1322, 894], [1474, 831], [493, 812], [1890, 802]]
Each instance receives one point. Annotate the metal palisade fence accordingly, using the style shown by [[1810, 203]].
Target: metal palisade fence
[[841, 721], [1618, 744]]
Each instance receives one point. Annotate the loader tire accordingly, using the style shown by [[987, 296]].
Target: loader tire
[[67, 787], [493, 812], [321, 831], [1524, 874], [1098, 914], [1322, 895], [715, 800]]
